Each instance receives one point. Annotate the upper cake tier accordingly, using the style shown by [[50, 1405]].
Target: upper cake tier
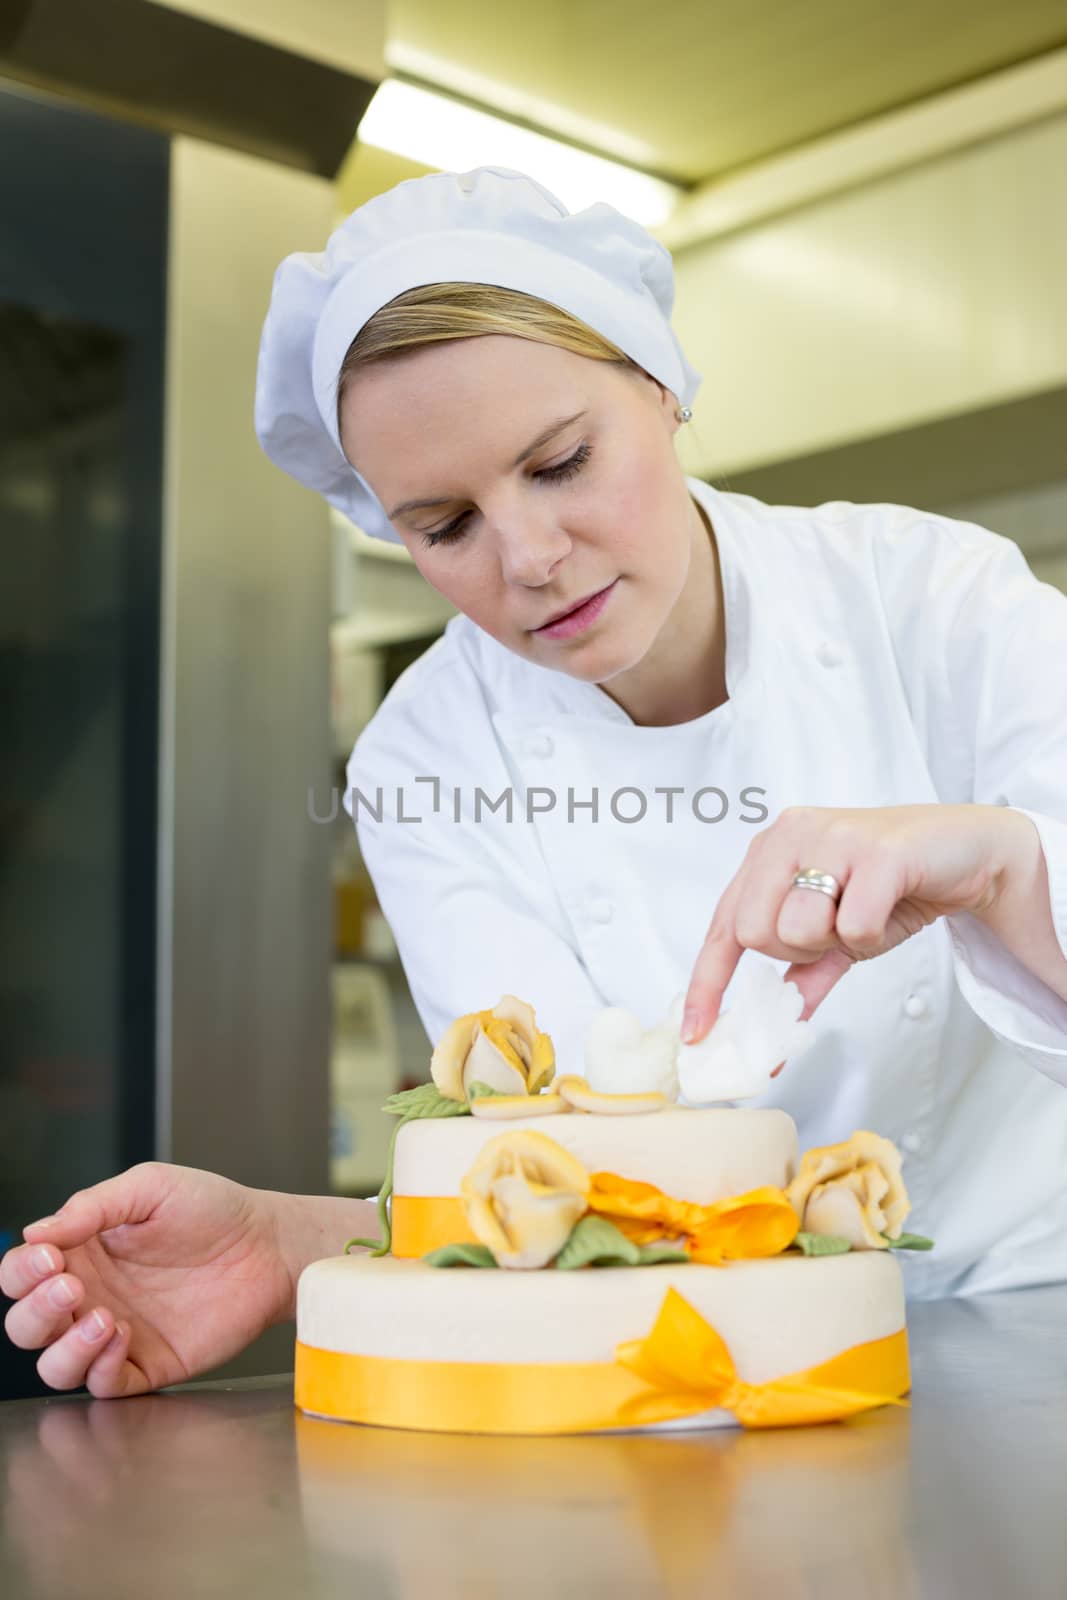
[[703, 1156]]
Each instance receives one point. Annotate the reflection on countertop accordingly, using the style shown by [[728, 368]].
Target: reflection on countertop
[[226, 1489]]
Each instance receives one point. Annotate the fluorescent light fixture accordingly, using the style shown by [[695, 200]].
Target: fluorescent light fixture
[[439, 132]]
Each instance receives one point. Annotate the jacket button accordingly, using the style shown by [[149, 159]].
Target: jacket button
[[829, 655], [600, 910], [915, 1006], [539, 744], [911, 1142]]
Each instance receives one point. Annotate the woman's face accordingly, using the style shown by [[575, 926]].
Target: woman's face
[[601, 505]]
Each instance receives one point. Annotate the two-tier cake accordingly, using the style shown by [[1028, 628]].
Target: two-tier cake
[[558, 1259]]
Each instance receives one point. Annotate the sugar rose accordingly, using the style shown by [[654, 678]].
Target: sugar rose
[[502, 1048], [523, 1196], [852, 1189]]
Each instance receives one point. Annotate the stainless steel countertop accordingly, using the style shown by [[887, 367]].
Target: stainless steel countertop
[[224, 1489]]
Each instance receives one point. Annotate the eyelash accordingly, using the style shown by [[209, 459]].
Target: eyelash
[[566, 469]]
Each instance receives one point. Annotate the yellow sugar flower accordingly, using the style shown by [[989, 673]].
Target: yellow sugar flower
[[502, 1048], [523, 1196], [854, 1189]]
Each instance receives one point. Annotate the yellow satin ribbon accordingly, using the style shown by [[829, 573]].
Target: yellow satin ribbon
[[759, 1223], [425, 1222], [744, 1227], [680, 1369]]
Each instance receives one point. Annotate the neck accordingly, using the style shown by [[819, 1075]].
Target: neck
[[683, 675]]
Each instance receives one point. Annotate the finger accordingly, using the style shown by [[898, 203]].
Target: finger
[[715, 966], [94, 1210], [112, 1376], [867, 904], [24, 1267], [747, 918], [805, 922], [65, 1363], [815, 980], [45, 1313]]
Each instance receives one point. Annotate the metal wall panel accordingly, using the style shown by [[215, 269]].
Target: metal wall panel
[[245, 909]]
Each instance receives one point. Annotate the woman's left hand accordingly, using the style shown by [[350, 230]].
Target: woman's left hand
[[899, 867]]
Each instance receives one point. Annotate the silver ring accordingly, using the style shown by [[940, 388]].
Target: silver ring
[[825, 882]]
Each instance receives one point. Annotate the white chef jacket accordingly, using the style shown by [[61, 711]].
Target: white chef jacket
[[876, 655]]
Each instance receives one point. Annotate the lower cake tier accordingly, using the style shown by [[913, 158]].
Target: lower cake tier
[[465, 1350]]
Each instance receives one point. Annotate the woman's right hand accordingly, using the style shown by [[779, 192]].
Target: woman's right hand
[[170, 1271]]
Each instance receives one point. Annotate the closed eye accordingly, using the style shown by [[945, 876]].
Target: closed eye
[[558, 474]]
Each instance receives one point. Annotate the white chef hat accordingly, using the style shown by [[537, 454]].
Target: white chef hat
[[488, 225]]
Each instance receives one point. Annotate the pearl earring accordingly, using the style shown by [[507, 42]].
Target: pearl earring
[[685, 414]]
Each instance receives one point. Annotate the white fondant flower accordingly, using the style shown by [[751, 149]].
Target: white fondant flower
[[748, 1040], [621, 1057]]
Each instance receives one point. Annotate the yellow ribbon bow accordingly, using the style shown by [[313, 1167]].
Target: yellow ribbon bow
[[689, 1369], [746, 1226]]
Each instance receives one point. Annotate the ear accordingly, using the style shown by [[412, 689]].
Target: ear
[[666, 402]]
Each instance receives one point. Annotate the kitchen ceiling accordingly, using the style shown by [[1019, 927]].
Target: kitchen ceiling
[[700, 88]]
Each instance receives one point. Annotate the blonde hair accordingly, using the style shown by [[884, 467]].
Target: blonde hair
[[434, 312]]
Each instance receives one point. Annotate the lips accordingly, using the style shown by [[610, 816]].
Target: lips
[[558, 616]]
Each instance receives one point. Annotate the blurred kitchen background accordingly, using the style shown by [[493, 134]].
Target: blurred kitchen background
[[867, 207]]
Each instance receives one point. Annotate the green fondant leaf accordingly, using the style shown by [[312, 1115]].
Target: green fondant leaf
[[596, 1242], [370, 1244], [594, 1239], [822, 1244], [478, 1090], [425, 1100], [653, 1253], [910, 1241], [461, 1255]]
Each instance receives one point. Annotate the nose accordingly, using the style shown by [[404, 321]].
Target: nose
[[530, 549]]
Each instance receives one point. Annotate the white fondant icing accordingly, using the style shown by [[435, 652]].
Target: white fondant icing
[[776, 1316], [690, 1154]]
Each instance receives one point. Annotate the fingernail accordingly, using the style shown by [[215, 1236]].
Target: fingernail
[[44, 1222], [690, 1024], [43, 1261], [61, 1294], [94, 1327]]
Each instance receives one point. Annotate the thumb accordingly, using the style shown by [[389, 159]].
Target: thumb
[[132, 1196]]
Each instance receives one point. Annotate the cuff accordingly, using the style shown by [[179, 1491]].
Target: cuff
[[1014, 1004], [1053, 835]]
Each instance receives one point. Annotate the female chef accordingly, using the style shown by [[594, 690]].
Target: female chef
[[670, 724]]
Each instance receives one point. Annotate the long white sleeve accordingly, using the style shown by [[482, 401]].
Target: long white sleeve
[[982, 649]]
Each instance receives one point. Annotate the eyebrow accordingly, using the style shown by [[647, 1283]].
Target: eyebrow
[[542, 438]]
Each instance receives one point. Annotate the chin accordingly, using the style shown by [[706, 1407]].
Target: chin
[[600, 663]]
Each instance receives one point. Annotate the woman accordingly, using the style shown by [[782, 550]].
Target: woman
[[749, 703]]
